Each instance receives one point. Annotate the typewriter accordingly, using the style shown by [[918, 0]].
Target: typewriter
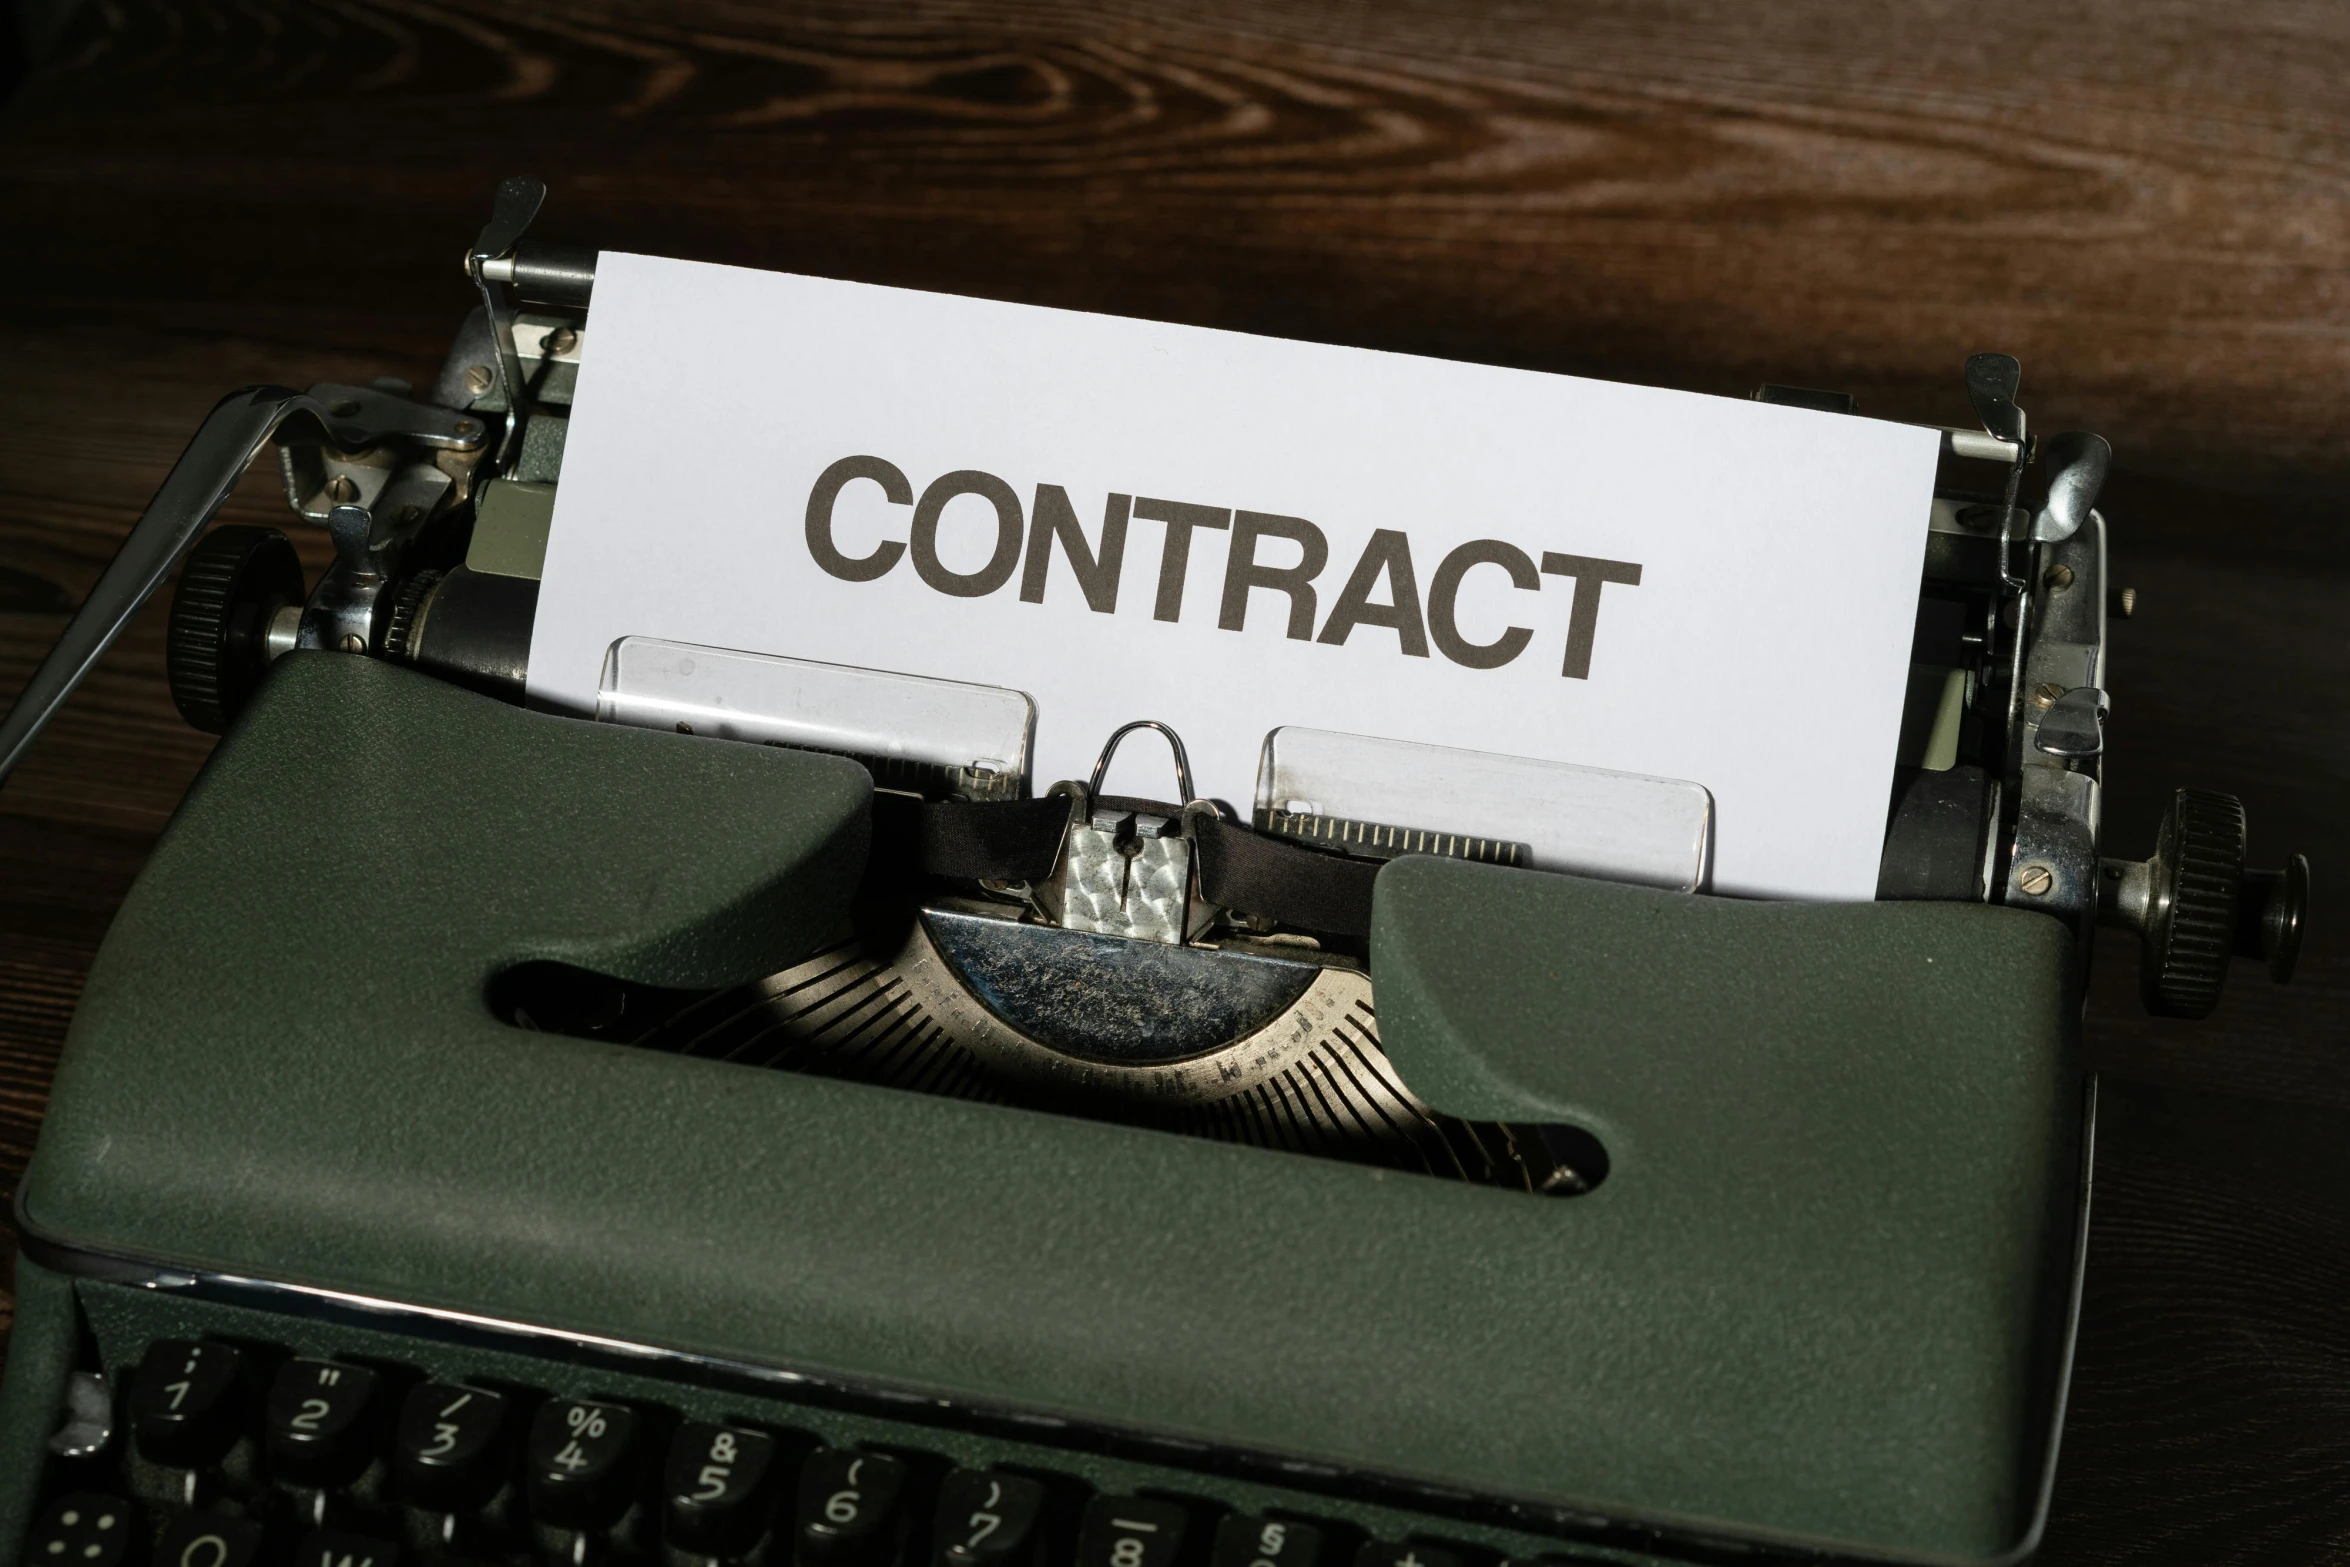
[[763, 1125]]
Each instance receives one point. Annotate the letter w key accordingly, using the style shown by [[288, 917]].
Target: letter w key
[[333, 1548]]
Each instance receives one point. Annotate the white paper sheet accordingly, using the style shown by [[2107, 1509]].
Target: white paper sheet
[[1763, 652]]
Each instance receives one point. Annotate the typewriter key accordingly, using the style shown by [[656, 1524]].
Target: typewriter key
[[318, 1420], [988, 1520], [1131, 1531], [1243, 1541], [187, 1401], [451, 1445], [83, 1529], [849, 1515], [720, 1485], [211, 1540], [1388, 1553], [333, 1548], [582, 1458]]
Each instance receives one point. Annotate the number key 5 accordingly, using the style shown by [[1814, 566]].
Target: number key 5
[[719, 1487]]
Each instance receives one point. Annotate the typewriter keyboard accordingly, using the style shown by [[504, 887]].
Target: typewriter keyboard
[[202, 1434]]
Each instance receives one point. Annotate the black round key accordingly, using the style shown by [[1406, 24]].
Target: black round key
[[451, 1445], [849, 1514], [582, 1458], [334, 1548], [1245, 1541], [84, 1529], [188, 1401], [1389, 1553], [320, 1421], [719, 1488], [988, 1520], [209, 1540], [1131, 1531]]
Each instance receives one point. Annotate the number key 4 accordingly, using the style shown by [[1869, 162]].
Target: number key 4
[[583, 1463]]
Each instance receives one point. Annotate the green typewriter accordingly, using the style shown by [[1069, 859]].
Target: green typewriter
[[495, 1137]]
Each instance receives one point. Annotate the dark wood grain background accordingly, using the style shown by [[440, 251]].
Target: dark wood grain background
[[2148, 203]]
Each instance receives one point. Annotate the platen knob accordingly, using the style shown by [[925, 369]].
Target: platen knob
[[2195, 907], [217, 647]]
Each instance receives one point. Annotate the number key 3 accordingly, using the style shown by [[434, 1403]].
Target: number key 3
[[451, 1447]]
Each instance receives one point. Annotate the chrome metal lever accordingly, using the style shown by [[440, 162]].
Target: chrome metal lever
[[231, 436]]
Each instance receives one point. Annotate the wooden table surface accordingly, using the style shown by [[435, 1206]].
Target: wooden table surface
[[2150, 206]]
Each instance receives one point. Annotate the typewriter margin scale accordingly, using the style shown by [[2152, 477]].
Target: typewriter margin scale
[[2012, 639]]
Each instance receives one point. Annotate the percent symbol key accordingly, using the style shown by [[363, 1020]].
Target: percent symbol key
[[583, 1462]]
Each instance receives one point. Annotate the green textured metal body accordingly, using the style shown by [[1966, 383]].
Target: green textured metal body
[[1819, 1302]]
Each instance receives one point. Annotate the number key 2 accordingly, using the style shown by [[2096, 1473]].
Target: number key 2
[[582, 1462], [720, 1488], [1242, 1541], [1131, 1531], [988, 1520], [451, 1448], [184, 1401], [318, 1419], [849, 1514]]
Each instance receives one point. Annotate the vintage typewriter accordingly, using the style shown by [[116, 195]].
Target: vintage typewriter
[[766, 1125]]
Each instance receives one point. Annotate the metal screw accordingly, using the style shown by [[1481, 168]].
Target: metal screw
[[562, 340], [480, 379], [2046, 695], [2059, 578], [353, 642], [468, 427], [2035, 880], [341, 490]]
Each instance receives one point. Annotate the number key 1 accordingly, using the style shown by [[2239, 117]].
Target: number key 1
[[185, 1401], [719, 1487]]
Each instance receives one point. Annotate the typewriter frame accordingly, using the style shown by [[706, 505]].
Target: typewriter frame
[[396, 479]]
